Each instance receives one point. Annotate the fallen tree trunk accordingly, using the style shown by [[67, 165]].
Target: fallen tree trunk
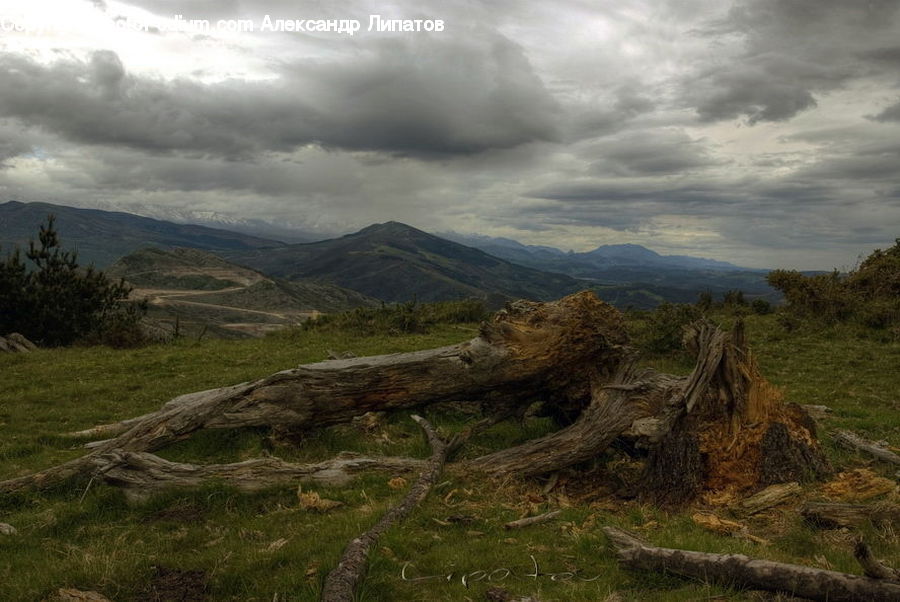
[[142, 474], [723, 431], [516, 356], [829, 515], [737, 570], [341, 583]]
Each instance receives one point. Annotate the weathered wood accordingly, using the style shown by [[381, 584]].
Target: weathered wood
[[830, 515], [341, 583], [725, 429], [770, 497], [611, 411], [818, 412], [873, 567], [16, 343], [141, 474], [532, 520], [853, 441], [737, 570], [520, 350]]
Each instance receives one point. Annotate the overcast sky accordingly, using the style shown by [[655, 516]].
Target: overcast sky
[[762, 132]]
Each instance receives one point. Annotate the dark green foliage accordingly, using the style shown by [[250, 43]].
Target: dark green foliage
[[59, 303], [705, 301], [761, 307], [734, 298], [869, 295], [665, 326], [400, 318]]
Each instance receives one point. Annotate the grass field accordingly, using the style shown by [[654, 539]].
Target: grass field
[[219, 544]]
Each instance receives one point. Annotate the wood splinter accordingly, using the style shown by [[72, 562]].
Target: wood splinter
[[532, 520]]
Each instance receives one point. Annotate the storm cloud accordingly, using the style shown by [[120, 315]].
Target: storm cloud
[[760, 132]]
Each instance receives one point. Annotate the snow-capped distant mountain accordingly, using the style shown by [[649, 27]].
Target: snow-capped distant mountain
[[283, 231]]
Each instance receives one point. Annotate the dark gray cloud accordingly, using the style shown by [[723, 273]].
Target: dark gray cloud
[[408, 97], [659, 151], [569, 124], [891, 113], [791, 51]]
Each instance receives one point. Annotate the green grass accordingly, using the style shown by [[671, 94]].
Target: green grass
[[85, 535]]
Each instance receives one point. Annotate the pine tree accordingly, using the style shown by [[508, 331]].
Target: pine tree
[[58, 303]]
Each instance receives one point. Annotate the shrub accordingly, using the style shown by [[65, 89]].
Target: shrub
[[761, 307], [705, 301], [734, 298], [665, 327], [868, 295], [58, 303], [400, 318]]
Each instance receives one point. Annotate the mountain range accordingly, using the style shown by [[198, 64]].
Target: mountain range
[[102, 237], [396, 262]]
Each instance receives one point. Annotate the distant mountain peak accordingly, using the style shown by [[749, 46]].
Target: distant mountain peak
[[391, 227]]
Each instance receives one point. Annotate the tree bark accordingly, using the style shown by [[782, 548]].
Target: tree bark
[[737, 570], [771, 496], [341, 583], [142, 474], [612, 410], [726, 430]]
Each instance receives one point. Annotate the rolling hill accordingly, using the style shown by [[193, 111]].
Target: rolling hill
[[102, 237], [396, 262], [204, 292]]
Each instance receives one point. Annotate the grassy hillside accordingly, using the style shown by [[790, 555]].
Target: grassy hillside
[[264, 546], [102, 237], [208, 294], [395, 262]]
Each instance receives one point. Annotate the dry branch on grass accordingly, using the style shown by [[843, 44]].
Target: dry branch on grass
[[532, 520], [516, 357], [742, 571], [853, 441], [341, 583]]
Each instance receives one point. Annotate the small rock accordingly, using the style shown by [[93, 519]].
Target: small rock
[[6, 529]]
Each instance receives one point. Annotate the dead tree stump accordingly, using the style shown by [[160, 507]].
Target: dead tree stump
[[727, 430]]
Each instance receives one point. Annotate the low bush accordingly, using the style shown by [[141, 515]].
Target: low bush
[[868, 296], [664, 327], [400, 318]]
